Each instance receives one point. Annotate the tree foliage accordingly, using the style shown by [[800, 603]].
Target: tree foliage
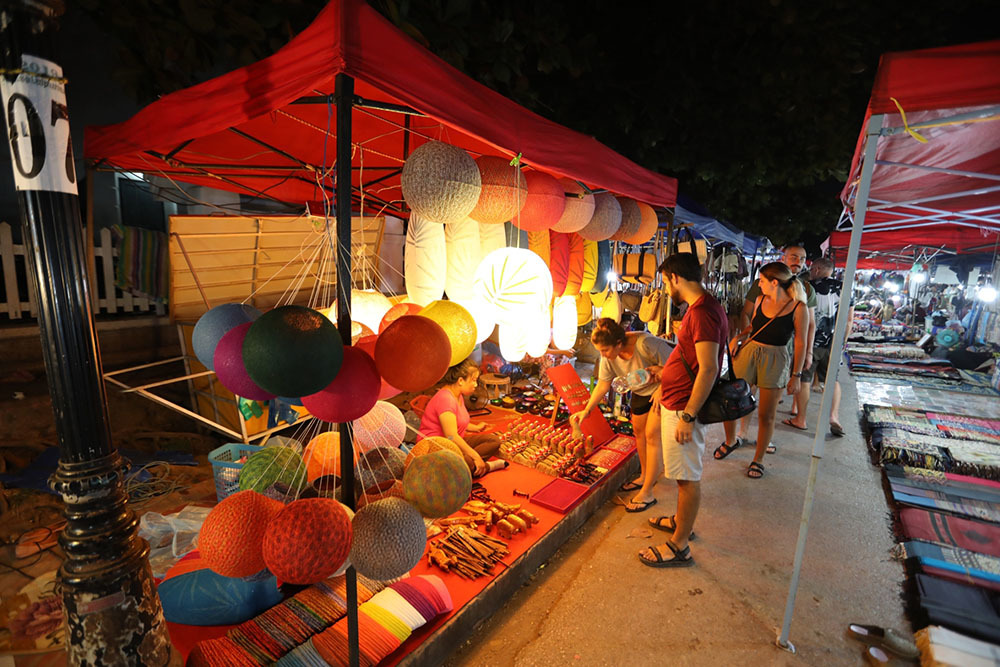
[[754, 106]]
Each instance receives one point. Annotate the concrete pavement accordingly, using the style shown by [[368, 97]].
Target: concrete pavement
[[594, 603]]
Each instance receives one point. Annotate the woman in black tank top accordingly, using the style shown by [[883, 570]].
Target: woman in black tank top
[[779, 314]]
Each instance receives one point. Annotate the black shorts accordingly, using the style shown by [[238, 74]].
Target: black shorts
[[640, 405], [821, 360]]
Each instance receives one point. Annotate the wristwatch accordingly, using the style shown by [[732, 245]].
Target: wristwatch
[[686, 418], [797, 375]]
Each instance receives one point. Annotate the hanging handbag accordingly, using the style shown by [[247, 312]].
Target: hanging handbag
[[650, 306], [631, 300], [612, 306], [636, 267], [697, 247], [729, 399]]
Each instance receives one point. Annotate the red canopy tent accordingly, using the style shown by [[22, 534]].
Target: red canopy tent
[[268, 129]]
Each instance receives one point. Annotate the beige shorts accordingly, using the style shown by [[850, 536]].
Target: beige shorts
[[681, 461], [763, 365]]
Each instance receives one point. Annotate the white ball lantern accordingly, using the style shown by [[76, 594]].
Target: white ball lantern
[[513, 281]]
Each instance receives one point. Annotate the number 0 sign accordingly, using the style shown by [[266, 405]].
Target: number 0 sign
[[34, 105]]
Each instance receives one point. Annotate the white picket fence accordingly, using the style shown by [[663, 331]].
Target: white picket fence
[[17, 297]]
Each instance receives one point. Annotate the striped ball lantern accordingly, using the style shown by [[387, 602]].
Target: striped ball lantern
[[462, 248], [230, 369], [539, 333], [606, 220], [382, 426], [292, 351], [579, 207], [504, 190], [425, 260], [647, 225], [215, 324], [434, 443], [631, 219], [458, 325], [604, 266], [538, 243], [544, 204], [351, 394], [307, 541], [584, 311], [590, 262], [440, 182], [232, 536], [437, 484], [513, 341], [413, 353], [389, 539], [491, 237]]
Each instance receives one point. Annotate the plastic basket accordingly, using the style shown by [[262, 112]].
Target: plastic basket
[[226, 466]]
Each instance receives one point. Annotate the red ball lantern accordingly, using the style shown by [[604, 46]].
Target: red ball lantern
[[558, 260], [544, 204], [396, 312], [412, 353], [233, 533], [351, 394], [307, 541], [504, 190]]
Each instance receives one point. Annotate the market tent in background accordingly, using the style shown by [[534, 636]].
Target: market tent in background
[[705, 226]]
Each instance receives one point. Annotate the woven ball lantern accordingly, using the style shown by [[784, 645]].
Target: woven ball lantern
[[434, 443], [367, 343], [382, 426], [544, 204], [482, 314], [606, 220], [441, 182], [271, 465], [413, 353], [307, 541], [232, 535], [389, 539], [292, 351], [647, 225], [396, 312], [228, 364], [322, 455], [382, 464], [579, 207], [437, 484], [351, 394], [631, 219], [504, 190], [215, 324], [511, 281], [458, 325], [564, 318]]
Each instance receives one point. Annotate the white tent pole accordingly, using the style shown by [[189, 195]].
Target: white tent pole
[[836, 349]]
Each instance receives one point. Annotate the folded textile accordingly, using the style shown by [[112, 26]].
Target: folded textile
[[976, 509], [143, 263], [967, 609], [969, 534], [977, 566], [941, 646]]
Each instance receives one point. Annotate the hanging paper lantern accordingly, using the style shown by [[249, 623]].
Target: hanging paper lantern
[[437, 483], [539, 332], [389, 539], [229, 368], [481, 313], [544, 205], [647, 225], [307, 541], [579, 207], [503, 193], [412, 353], [631, 219], [584, 313], [382, 426], [604, 267], [440, 182], [513, 342], [215, 324], [491, 237], [462, 247], [425, 260], [351, 394], [512, 280], [607, 218], [231, 537], [396, 312], [458, 325], [558, 260], [564, 318], [379, 465], [538, 243], [590, 260], [292, 351], [368, 307], [367, 344], [435, 443], [322, 456], [574, 272], [272, 465]]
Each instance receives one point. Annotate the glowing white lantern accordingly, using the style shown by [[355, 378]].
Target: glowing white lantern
[[564, 318], [426, 261], [462, 246], [480, 312], [513, 342], [539, 333], [512, 281], [491, 237]]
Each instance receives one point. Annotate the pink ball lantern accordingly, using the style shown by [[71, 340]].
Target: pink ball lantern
[[544, 205], [382, 426], [351, 394], [607, 218], [579, 207], [229, 367], [503, 193], [631, 219], [412, 353]]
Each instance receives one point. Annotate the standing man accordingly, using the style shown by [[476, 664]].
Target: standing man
[[828, 291], [685, 382]]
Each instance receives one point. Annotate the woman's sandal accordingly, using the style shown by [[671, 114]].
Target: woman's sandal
[[679, 557], [771, 448], [755, 470], [668, 525], [724, 450]]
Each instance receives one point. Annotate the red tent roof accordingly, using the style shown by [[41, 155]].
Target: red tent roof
[[268, 130], [951, 98]]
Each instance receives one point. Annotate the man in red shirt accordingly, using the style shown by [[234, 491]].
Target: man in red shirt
[[685, 382]]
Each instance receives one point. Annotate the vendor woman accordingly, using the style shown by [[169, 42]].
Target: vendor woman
[[622, 353], [446, 415]]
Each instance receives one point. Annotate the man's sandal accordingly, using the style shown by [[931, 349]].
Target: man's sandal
[[724, 450], [755, 470], [668, 525], [678, 558]]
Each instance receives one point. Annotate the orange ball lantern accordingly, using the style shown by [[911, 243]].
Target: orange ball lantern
[[412, 353], [504, 190], [647, 225], [322, 456], [544, 204], [307, 541], [231, 537]]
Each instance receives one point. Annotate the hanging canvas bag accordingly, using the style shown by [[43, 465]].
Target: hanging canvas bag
[[612, 306], [697, 247], [650, 306], [636, 267]]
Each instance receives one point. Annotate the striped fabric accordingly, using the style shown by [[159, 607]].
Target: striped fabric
[[143, 264]]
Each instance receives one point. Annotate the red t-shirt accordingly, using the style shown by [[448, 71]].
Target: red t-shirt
[[443, 401], [705, 320]]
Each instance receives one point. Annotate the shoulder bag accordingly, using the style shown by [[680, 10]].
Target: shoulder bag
[[729, 399]]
